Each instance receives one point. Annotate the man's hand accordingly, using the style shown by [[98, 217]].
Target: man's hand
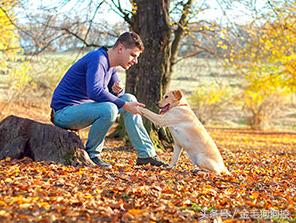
[[133, 107], [117, 87]]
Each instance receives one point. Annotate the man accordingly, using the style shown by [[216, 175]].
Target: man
[[90, 95]]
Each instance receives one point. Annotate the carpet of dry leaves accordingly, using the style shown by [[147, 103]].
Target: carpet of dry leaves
[[261, 188]]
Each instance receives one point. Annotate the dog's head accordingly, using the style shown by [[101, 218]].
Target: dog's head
[[170, 99]]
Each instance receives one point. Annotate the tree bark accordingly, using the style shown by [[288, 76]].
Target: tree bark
[[20, 137], [149, 79]]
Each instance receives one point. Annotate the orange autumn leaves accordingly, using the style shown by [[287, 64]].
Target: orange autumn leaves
[[263, 181]]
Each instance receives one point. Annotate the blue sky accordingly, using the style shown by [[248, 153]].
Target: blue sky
[[239, 12]]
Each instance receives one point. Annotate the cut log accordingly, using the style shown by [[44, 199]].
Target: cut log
[[20, 137]]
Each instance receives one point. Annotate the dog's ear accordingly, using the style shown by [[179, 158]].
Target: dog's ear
[[178, 94]]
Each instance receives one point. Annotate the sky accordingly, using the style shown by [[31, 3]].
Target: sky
[[239, 12]]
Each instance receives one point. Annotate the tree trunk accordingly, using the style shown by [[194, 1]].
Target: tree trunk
[[149, 79], [21, 137]]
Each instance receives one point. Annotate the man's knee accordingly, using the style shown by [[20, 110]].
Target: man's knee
[[111, 112], [128, 97]]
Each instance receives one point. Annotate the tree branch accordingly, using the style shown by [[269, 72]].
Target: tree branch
[[91, 20], [79, 38], [48, 44], [122, 13], [179, 32]]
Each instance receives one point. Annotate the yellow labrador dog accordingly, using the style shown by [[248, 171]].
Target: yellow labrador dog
[[187, 131]]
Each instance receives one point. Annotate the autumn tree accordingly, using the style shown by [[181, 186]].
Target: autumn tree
[[163, 26], [168, 26], [9, 40], [12, 64], [266, 59]]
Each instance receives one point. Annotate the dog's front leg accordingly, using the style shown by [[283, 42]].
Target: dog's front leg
[[155, 118], [176, 156]]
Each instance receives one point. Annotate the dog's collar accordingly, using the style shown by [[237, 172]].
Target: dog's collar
[[183, 105]]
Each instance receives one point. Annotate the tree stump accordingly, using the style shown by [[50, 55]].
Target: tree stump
[[20, 137]]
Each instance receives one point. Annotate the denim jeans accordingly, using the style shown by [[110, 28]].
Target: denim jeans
[[100, 116]]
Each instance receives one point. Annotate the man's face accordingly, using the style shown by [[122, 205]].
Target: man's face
[[128, 57]]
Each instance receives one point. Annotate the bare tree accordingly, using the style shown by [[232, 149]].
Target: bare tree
[[162, 38], [55, 28]]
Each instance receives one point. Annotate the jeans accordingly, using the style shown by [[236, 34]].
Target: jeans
[[100, 116]]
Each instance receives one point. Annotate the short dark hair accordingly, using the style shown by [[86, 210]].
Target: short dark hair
[[130, 40]]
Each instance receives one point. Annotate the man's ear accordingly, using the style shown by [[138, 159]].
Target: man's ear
[[120, 48], [178, 94]]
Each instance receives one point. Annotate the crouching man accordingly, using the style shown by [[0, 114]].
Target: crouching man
[[90, 94]]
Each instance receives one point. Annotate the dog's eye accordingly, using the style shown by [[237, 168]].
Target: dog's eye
[[166, 96]]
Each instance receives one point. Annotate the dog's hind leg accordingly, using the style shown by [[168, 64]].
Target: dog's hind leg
[[176, 155]]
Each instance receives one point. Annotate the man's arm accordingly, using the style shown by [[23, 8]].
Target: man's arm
[[115, 85], [95, 78]]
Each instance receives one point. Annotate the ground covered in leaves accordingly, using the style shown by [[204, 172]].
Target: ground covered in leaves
[[261, 188]]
